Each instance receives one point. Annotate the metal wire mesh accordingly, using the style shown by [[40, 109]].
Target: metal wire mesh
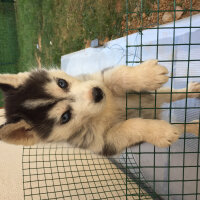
[[174, 172], [60, 172]]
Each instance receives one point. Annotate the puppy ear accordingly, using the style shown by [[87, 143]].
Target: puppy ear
[[10, 82], [19, 133]]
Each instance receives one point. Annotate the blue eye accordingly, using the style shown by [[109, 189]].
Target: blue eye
[[62, 83], [66, 117]]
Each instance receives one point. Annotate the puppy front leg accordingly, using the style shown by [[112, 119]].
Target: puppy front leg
[[192, 127], [133, 131], [144, 77], [165, 95]]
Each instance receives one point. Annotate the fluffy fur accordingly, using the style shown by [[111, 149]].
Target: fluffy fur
[[41, 108]]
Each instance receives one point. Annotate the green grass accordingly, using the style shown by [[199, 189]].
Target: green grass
[[8, 38], [64, 27], [67, 24], [28, 15]]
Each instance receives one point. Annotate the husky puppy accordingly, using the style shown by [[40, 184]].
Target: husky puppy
[[88, 111]]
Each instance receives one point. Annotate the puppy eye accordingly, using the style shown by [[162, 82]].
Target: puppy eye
[[62, 83], [66, 117]]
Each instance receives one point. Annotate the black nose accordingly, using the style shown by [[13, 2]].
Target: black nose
[[97, 94]]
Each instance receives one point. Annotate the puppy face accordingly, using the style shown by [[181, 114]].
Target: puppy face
[[53, 104]]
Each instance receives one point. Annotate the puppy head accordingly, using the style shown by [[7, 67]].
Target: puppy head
[[44, 106]]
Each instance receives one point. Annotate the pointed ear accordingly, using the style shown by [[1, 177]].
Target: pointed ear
[[19, 133], [12, 81]]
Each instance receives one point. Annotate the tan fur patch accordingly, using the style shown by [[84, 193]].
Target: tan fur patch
[[18, 133]]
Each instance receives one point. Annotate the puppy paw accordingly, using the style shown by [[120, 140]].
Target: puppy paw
[[154, 74], [194, 87], [163, 134], [168, 137]]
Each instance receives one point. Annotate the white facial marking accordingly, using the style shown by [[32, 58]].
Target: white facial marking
[[32, 104]]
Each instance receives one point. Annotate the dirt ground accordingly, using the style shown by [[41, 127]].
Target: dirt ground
[[150, 13]]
